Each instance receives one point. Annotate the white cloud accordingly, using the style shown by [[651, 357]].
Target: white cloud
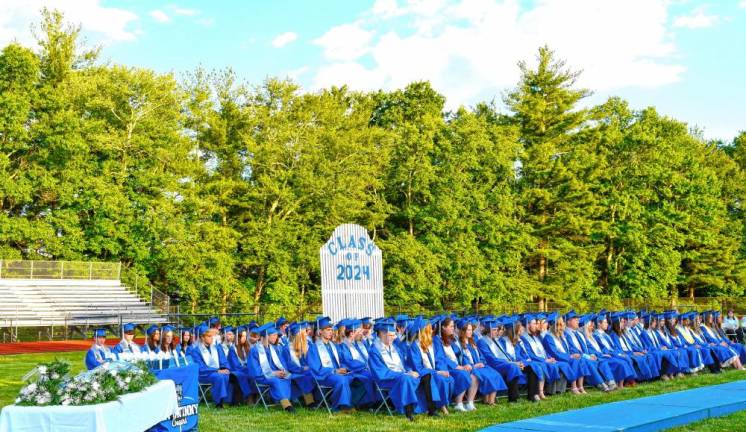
[[742, 4], [283, 39], [105, 24], [469, 49], [698, 18], [159, 16], [185, 11], [294, 74], [345, 42]]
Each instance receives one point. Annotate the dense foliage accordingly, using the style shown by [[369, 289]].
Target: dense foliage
[[222, 192]]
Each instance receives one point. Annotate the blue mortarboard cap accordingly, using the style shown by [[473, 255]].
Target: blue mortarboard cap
[[401, 319], [240, 329], [354, 324], [200, 329], [552, 317], [527, 318], [280, 321], [323, 322], [99, 332], [129, 327], [267, 329], [152, 329], [365, 321], [167, 328], [228, 329], [570, 315], [294, 329], [213, 321]]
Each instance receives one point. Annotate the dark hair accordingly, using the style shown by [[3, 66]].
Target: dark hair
[[447, 339]]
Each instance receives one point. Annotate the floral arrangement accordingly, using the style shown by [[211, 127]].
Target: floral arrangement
[[103, 384]]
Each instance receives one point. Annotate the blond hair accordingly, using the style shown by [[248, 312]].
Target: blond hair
[[300, 344], [426, 337]]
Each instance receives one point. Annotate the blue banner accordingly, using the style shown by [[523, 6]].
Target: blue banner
[[187, 391]]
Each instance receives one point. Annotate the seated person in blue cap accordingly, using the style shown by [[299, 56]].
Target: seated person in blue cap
[[228, 339], [213, 368], [99, 353], [556, 347], [295, 356], [169, 346], [490, 381], [447, 353], [581, 346], [512, 371], [354, 357], [235, 365], [389, 371], [367, 331], [267, 368], [153, 341], [530, 342], [185, 341], [326, 365], [728, 353], [422, 359], [282, 328], [127, 345]]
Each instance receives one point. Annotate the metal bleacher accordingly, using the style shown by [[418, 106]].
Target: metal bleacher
[[70, 301]]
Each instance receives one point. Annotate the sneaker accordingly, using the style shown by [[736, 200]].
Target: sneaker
[[611, 385], [470, 406], [460, 407]]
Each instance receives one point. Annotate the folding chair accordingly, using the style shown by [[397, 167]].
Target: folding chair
[[325, 392], [263, 392], [204, 388], [385, 399]]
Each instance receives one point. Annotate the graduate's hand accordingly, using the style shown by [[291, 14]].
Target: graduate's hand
[[306, 368], [279, 373], [664, 348], [414, 374], [551, 360], [575, 356], [224, 371], [593, 357], [342, 371], [444, 373], [479, 365], [467, 368]]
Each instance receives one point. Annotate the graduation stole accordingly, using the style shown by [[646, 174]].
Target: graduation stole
[[129, 347], [536, 347], [390, 356], [508, 348], [356, 355], [559, 343], [684, 332], [326, 361], [210, 357], [427, 356], [362, 349], [651, 333], [263, 361], [294, 356], [466, 352]]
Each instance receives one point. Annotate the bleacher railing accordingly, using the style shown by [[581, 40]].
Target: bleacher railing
[[32, 269]]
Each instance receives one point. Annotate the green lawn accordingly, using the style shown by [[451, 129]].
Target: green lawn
[[12, 368]]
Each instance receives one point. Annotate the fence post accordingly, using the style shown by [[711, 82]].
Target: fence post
[[119, 271], [32, 269], [90, 270], [62, 269], [1, 269]]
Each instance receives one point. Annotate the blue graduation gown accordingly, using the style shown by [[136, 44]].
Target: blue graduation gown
[[119, 348], [241, 370], [642, 362], [461, 378], [602, 369], [704, 351], [497, 360], [553, 370], [402, 387], [443, 385], [262, 372], [327, 375], [358, 370], [669, 359], [725, 354], [222, 389], [302, 377], [96, 356], [490, 380]]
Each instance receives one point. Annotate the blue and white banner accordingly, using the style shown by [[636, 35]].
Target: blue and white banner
[[187, 391]]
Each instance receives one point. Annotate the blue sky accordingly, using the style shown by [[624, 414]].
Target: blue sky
[[686, 58]]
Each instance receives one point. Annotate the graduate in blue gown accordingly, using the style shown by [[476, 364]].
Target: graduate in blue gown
[[127, 344], [556, 347], [671, 336], [665, 343], [728, 353], [715, 323], [266, 367], [237, 363], [326, 365], [152, 340], [494, 355], [490, 381], [556, 372], [213, 368], [421, 358], [409, 393], [99, 353], [643, 363], [447, 353], [295, 357], [687, 339], [354, 357], [170, 347], [185, 341], [583, 346], [669, 360]]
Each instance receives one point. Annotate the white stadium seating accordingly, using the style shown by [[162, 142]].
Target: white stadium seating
[[71, 302]]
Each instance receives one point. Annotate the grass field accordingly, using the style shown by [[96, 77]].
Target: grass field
[[13, 367]]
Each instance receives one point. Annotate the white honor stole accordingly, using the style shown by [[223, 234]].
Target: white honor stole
[[496, 351], [558, 343], [211, 357], [390, 357], [448, 349], [509, 348], [326, 361], [537, 348], [363, 349], [263, 361], [426, 358], [353, 351]]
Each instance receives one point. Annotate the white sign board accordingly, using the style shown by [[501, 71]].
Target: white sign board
[[351, 275]]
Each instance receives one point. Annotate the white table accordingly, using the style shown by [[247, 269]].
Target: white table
[[132, 412]]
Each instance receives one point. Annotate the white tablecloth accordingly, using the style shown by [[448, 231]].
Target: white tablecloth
[[133, 412]]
